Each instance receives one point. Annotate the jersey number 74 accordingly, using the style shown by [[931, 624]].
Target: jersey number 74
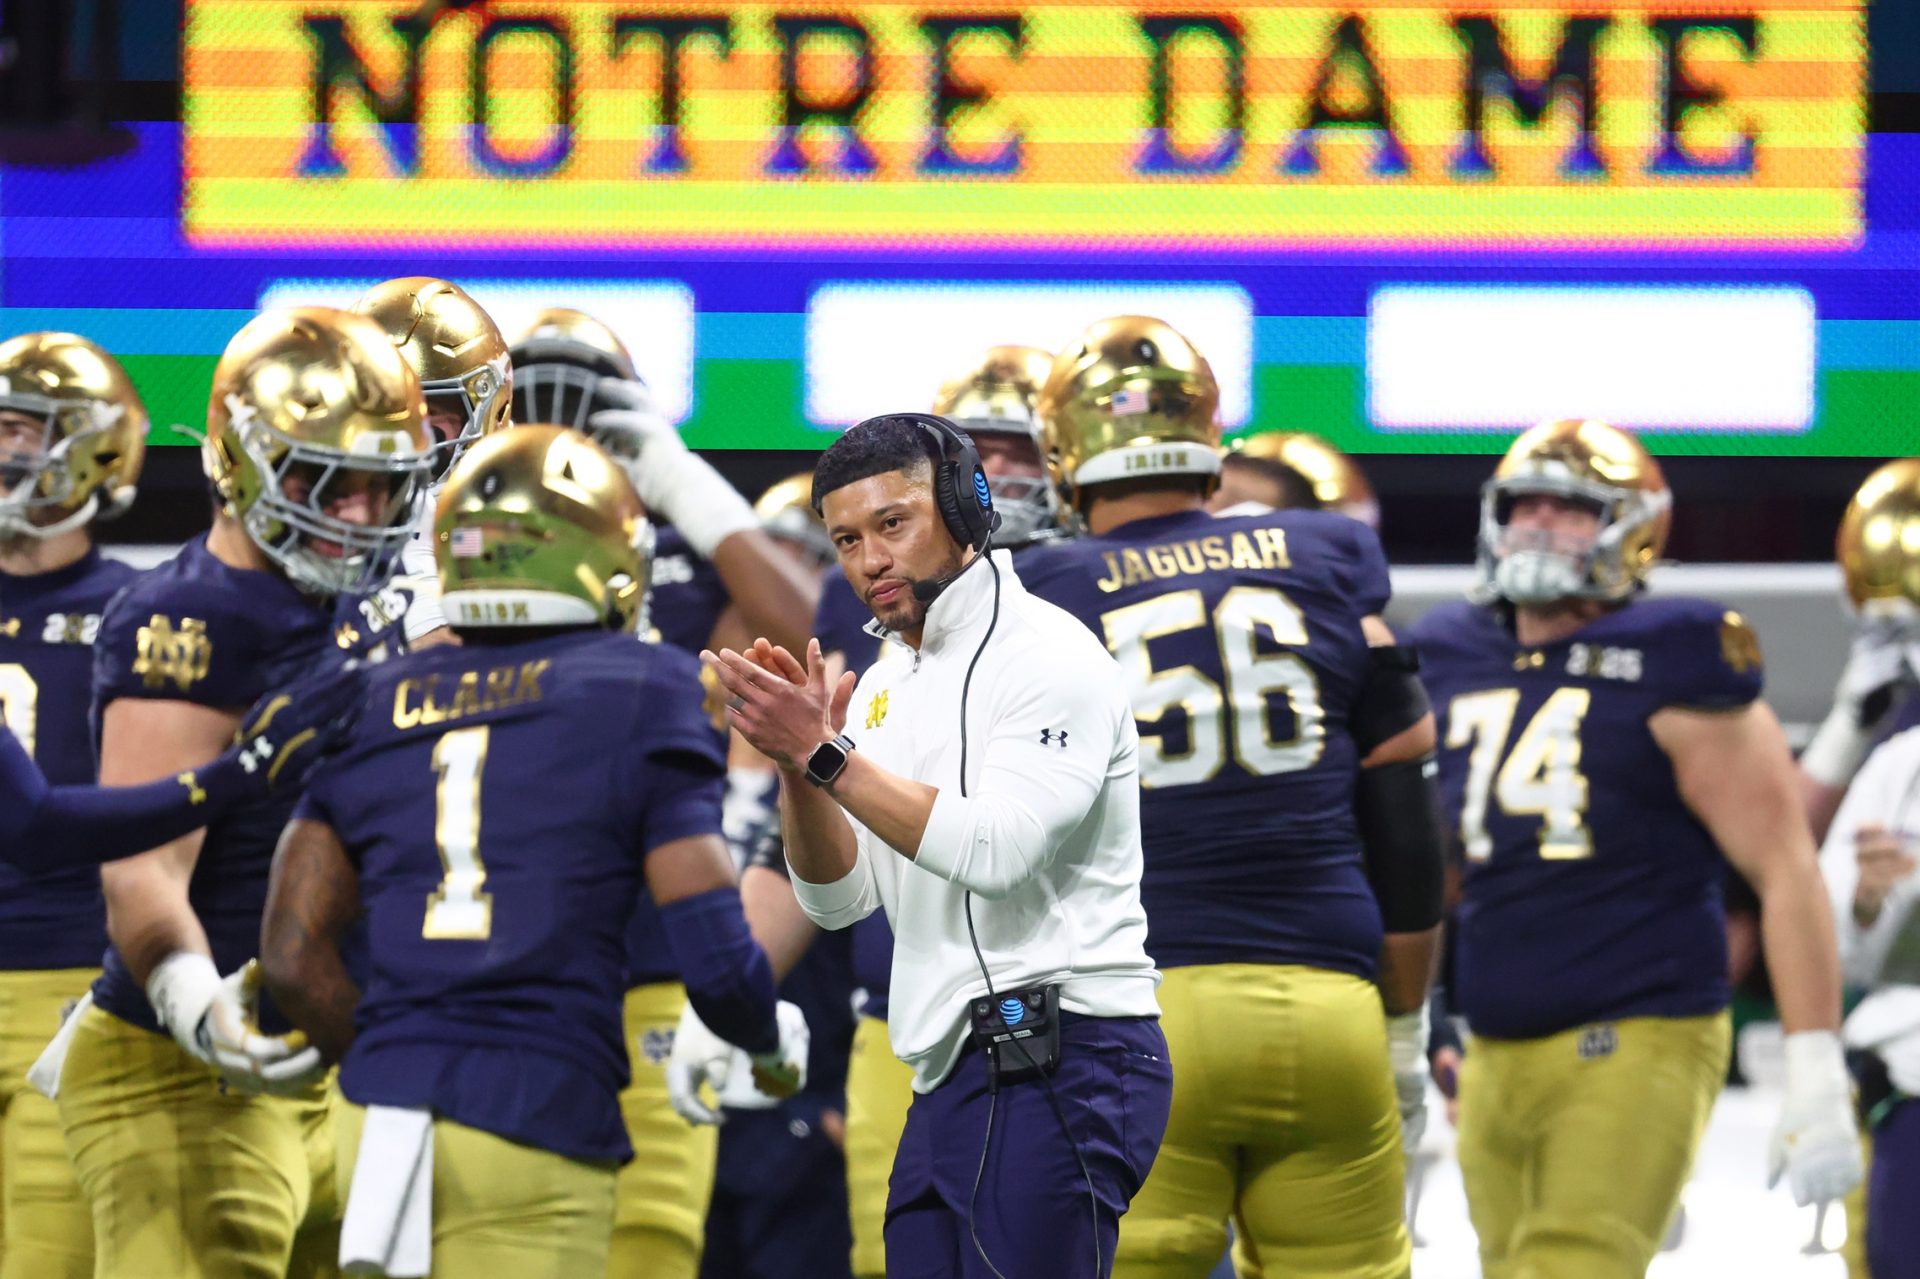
[[1540, 777]]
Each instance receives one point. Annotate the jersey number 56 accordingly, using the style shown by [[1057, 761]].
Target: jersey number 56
[[1249, 678]]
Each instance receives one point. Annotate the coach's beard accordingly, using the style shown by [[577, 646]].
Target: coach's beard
[[901, 603]]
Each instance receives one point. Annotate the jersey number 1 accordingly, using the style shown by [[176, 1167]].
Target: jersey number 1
[[1541, 776], [458, 909]]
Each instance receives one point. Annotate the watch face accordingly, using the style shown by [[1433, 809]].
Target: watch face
[[827, 760]]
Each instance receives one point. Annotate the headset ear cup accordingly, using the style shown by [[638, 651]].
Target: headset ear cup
[[946, 497]]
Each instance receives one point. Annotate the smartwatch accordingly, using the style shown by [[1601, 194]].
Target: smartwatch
[[828, 760]]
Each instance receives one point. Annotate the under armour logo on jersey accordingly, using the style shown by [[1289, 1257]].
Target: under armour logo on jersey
[[877, 710], [1052, 737], [1597, 1042]]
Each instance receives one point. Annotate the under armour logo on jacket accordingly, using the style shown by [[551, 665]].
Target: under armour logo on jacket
[[1048, 737]]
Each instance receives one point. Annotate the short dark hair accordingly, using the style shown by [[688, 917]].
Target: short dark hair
[[872, 448]]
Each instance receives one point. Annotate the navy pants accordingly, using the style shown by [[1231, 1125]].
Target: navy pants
[[1034, 1218], [1893, 1196], [779, 1208]]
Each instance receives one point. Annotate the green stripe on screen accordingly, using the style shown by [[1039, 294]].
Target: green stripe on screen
[[757, 404]]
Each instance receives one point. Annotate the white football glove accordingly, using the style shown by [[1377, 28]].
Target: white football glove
[[672, 480], [1878, 676], [1407, 1052], [739, 1080], [212, 1018], [1816, 1144]]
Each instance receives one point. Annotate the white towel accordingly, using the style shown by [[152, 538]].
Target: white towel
[[44, 1074], [388, 1229]]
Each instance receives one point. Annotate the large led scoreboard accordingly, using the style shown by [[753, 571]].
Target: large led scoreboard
[[1407, 226]]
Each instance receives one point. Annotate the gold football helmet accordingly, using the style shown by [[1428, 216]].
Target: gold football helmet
[[1878, 545], [314, 410], [1129, 399], [454, 349], [1581, 461], [560, 361], [1330, 475], [92, 441], [999, 396], [539, 526], [786, 512]]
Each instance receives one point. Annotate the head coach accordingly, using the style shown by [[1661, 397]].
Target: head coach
[[985, 794]]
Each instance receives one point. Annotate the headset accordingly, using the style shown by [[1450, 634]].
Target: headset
[[960, 489]]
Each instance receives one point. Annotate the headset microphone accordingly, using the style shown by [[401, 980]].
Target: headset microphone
[[927, 590]]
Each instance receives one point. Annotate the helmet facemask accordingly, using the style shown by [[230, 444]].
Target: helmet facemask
[[43, 482], [321, 553], [1029, 505], [1537, 567], [477, 398]]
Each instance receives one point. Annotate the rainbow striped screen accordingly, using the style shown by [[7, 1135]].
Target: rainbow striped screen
[[1406, 225], [1050, 125]]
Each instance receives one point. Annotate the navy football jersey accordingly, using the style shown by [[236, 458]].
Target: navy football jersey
[[1591, 892], [197, 630], [47, 626], [1241, 642], [688, 596], [499, 801]]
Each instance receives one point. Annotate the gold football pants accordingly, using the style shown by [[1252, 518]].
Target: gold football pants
[[660, 1199], [187, 1180], [501, 1208], [1575, 1147], [1284, 1118], [879, 1090], [46, 1231]]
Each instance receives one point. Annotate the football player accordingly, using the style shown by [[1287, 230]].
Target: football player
[[1602, 752], [73, 434], [715, 559], [457, 352], [1283, 739], [315, 452], [715, 571], [562, 769], [1288, 470]]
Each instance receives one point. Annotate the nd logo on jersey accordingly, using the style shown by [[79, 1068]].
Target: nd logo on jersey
[[877, 710], [166, 653]]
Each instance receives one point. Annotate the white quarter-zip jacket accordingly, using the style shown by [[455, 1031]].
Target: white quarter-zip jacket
[[1046, 840]]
